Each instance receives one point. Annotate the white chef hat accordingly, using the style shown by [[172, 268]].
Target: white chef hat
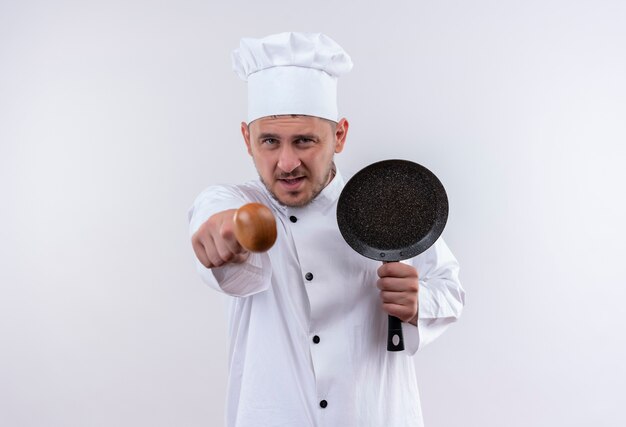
[[291, 73]]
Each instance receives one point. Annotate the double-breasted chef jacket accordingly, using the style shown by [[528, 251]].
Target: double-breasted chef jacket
[[307, 330]]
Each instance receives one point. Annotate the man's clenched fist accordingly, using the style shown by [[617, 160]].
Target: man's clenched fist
[[399, 286], [215, 244]]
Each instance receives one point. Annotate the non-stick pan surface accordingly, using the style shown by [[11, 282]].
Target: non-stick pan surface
[[390, 211]]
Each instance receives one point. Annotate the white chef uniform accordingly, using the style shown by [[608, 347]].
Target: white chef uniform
[[308, 336]]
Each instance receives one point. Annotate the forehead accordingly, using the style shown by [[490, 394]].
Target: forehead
[[289, 124]]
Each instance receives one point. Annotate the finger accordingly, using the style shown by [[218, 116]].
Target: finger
[[395, 284], [401, 312], [200, 251], [211, 252], [241, 258], [223, 251], [397, 269], [232, 243], [227, 232], [400, 298]]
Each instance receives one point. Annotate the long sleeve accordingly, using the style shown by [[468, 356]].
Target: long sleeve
[[441, 297], [241, 280]]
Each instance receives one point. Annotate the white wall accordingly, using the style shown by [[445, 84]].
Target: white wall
[[114, 115]]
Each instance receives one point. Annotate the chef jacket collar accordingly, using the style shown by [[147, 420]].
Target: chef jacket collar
[[327, 197]]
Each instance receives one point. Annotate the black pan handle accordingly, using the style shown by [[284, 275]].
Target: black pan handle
[[395, 340]]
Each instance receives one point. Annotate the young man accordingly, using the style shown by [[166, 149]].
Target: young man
[[308, 318]]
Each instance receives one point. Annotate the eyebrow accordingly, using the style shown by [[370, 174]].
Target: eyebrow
[[299, 136], [269, 135], [306, 136]]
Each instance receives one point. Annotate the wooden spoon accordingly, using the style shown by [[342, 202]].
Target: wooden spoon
[[255, 227]]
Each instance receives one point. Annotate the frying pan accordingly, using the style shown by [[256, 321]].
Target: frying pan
[[390, 211]]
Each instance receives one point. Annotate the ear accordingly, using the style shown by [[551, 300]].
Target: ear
[[341, 133], [245, 131]]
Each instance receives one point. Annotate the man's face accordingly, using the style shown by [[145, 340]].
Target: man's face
[[294, 154]]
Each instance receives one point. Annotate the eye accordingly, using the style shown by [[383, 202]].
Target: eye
[[304, 141], [269, 141]]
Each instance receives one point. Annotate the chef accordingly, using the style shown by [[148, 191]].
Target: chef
[[308, 318]]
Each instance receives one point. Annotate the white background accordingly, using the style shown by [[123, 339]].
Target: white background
[[114, 115]]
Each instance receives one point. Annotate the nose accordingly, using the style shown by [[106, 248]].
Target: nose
[[288, 159]]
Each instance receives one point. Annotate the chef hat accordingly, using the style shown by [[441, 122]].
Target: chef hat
[[291, 73]]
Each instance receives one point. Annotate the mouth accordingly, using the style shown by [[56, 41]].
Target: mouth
[[291, 184]]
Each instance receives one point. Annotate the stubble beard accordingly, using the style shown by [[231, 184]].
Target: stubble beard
[[330, 173]]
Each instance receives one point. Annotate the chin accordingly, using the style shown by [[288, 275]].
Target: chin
[[296, 199], [294, 202]]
